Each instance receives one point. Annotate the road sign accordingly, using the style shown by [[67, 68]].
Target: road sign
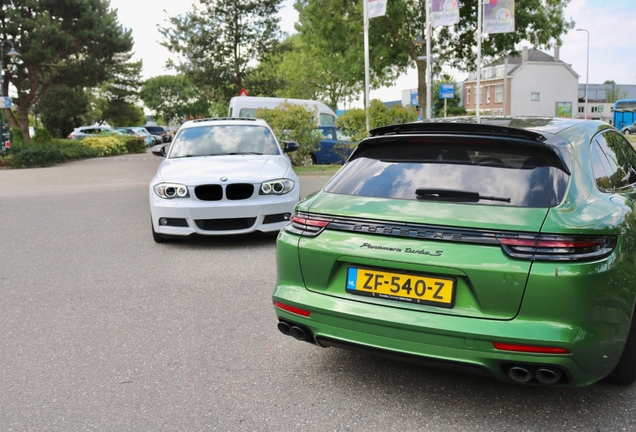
[[5, 137], [414, 100], [5, 102], [446, 91]]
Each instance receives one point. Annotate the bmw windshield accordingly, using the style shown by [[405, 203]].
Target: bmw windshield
[[224, 140]]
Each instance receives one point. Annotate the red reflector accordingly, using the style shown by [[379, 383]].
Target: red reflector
[[292, 309], [529, 348]]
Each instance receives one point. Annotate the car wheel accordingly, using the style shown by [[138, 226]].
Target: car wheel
[[626, 132], [158, 238], [625, 371]]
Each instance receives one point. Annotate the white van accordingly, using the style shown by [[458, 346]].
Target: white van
[[246, 106]]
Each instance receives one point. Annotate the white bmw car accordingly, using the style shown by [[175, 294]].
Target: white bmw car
[[222, 176]]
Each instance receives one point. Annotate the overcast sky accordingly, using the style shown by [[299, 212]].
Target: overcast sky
[[610, 23]]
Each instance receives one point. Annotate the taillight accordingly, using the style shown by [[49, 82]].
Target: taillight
[[546, 247], [306, 225]]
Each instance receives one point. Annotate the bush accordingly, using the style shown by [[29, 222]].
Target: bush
[[32, 154], [291, 122], [354, 123], [42, 136], [134, 144], [43, 151], [106, 145], [35, 155]]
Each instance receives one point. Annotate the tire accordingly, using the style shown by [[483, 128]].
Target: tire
[[625, 371], [626, 132]]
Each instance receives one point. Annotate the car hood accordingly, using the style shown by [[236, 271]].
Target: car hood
[[239, 168]]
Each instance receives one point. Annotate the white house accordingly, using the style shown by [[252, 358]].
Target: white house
[[534, 84]]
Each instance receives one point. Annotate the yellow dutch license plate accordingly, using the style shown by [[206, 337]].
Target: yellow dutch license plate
[[411, 288]]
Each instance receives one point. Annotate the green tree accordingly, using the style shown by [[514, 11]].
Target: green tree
[[333, 46], [335, 27], [615, 93], [121, 92], [71, 43], [174, 96], [62, 109], [219, 38]]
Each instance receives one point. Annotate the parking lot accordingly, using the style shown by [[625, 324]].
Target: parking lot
[[103, 329]]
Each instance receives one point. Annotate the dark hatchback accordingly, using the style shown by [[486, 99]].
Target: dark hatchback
[[160, 131]]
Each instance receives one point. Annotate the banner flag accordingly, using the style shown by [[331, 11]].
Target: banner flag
[[376, 8], [499, 16], [444, 12]]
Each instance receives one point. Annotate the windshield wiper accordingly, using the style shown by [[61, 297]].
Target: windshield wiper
[[245, 153], [454, 195]]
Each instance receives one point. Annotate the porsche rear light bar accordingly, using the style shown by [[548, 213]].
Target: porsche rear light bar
[[548, 247]]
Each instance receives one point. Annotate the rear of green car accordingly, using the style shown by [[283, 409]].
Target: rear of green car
[[481, 249]]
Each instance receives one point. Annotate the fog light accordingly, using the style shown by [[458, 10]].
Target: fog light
[[286, 216], [163, 221]]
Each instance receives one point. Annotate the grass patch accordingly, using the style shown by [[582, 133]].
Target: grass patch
[[317, 169]]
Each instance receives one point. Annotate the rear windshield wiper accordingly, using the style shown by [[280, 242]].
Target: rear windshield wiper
[[454, 195]]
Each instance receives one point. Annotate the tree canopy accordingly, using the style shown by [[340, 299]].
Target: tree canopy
[[73, 43], [217, 41], [173, 97], [334, 30]]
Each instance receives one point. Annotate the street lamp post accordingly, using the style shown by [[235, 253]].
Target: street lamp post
[[12, 53], [587, 72]]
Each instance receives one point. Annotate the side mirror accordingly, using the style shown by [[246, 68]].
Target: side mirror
[[159, 150], [290, 146]]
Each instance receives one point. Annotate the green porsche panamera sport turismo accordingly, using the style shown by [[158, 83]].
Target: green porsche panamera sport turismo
[[506, 249]]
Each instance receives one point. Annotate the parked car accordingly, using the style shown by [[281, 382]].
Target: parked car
[[507, 250], [630, 129], [84, 131], [138, 132], [222, 176], [159, 131], [334, 147]]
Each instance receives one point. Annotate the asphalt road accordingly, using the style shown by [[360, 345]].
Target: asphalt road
[[102, 329]]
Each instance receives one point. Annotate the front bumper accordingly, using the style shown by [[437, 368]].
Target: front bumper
[[185, 217]]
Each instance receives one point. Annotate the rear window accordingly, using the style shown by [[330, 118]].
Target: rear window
[[416, 169]]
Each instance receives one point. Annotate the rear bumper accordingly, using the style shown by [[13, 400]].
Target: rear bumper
[[464, 344]]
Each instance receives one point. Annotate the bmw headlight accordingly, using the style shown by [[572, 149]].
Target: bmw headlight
[[171, 190], [276, 187]]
